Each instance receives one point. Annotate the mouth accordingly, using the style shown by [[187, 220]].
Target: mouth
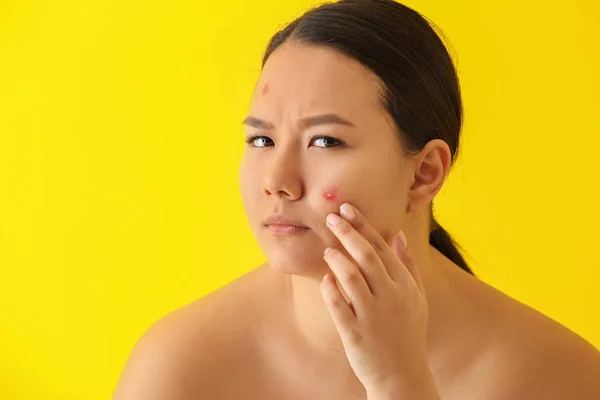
[[285, 229]]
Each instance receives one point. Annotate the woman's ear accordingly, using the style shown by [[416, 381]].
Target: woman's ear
[[432, 165]]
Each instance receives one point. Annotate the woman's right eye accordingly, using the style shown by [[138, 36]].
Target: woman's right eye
[[258, 139]]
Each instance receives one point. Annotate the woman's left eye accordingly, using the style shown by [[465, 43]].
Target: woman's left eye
[[324, 139]]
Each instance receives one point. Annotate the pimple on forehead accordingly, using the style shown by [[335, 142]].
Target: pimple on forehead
[[265, 89], [329, 194]]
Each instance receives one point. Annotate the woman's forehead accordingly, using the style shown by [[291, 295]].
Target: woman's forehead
[[314, 74], [299, 81]]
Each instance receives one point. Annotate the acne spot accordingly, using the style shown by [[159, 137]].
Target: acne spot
[[329, 194], [265, 89]]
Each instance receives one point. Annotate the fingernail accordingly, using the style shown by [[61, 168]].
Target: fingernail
[[327, 250], [402, 239], [333, 219], [347, 210]]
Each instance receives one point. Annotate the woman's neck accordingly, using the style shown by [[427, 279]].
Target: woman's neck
[[318, 331]]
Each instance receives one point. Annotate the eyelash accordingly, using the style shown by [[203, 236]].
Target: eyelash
[[340, 142]]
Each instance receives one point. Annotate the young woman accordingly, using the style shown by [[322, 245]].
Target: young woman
[[352, 129]]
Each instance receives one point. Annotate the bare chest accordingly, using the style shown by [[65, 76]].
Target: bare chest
[[283, 367], [300, 379]]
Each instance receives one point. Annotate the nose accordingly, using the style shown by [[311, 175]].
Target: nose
[[282, 177]]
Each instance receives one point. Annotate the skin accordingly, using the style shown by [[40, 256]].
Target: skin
[[329, 194], [383, 323], [285, 171], [427, 329]]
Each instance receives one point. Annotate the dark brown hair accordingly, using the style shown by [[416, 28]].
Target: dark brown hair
[[421, 89]]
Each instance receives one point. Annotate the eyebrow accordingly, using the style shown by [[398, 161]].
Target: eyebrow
[[307, 122]]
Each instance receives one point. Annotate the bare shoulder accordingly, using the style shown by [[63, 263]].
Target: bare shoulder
[[532, 356], [552, 361], [186, 353]]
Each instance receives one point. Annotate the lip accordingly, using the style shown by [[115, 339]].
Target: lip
[[283, 221], [282, 230]]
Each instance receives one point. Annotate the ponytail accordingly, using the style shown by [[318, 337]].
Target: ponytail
[[441, 240]]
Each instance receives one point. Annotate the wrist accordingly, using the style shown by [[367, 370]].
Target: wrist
[[415, 386]]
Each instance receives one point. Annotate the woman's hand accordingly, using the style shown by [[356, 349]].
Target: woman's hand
[[383, 326]]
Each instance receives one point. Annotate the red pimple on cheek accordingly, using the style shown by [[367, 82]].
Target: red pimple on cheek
[[265, 89], [329, 194]]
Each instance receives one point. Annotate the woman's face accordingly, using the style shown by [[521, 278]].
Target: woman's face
[[305, 167]]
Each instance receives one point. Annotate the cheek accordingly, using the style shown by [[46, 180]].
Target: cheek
[[329, 194], [250, 189]]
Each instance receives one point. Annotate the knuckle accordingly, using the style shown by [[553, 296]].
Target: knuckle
[[336, 303], [358, 223], [352, 277], [333, 253], [345, 228], [377, 246], [355, 336], [406, 284], [367, 256]]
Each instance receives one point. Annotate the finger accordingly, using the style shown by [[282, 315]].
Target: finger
[[350, 278], [361, 251], [339, 309], [362, 225], [408, 260]]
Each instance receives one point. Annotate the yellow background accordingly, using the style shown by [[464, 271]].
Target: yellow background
[[120, 138]]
